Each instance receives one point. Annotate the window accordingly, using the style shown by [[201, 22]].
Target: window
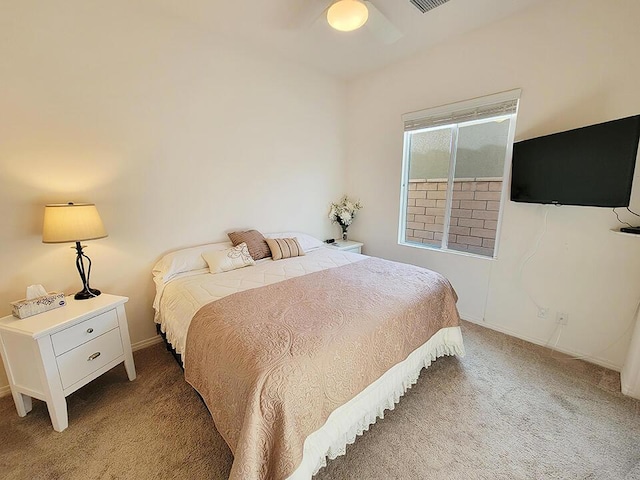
[[455, 160]]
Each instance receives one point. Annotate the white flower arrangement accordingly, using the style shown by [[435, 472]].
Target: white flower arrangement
[[344, 211]]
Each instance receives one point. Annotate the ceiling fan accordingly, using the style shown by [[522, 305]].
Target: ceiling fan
[[349, 15]]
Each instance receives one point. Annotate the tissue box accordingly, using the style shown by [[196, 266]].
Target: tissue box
[[27, 308]]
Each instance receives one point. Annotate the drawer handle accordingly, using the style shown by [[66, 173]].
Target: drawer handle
[[93, 356], [89, 330]]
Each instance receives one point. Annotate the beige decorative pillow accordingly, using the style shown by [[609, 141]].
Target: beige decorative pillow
[[230, 259], [284, 248], [258, 248]]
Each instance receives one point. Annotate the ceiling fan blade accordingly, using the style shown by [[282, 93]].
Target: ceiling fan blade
[[307, 13], [381, 27]]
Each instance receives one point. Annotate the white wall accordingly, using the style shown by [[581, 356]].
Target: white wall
[[577, 64], [174, 136]]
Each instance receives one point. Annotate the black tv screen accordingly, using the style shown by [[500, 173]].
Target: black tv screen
[[591, 166]]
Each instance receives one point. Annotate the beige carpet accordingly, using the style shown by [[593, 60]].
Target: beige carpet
[[506, 411]]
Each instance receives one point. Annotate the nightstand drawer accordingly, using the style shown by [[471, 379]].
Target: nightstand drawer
[[71, 337], [89, 357]]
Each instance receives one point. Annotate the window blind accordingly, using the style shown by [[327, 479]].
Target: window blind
[[486, 107]]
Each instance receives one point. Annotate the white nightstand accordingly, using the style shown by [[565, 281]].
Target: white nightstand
[[347, 246], [51, 355]]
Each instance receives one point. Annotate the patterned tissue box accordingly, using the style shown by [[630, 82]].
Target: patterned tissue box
[[28, 308]]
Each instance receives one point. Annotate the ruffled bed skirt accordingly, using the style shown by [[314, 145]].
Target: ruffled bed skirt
[[353, 418]]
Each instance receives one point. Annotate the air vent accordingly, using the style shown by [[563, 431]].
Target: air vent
[[425, 5]]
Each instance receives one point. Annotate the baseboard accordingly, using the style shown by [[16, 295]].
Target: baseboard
[[629, 392], [4, 391], [630, 386], [542, 342], [472, 318], [146, 343]]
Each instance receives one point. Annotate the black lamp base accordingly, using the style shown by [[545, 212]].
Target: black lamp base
[[87, 293]]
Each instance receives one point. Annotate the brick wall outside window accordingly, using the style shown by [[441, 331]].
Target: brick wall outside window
[[474, 213]]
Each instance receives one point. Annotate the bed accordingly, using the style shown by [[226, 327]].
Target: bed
[[294, 358]]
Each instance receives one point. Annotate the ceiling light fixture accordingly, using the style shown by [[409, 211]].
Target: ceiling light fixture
[[347, 15]]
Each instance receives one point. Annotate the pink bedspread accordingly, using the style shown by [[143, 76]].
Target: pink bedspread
[[272, 363]]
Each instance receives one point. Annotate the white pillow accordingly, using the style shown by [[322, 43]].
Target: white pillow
[[307, 242], [230, 259], [185, 260]]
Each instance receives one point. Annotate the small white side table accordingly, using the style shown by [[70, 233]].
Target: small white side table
[[347, 246], [51, 355]]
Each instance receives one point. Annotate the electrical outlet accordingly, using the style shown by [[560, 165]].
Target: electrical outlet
[[562, 318], [543, 312]]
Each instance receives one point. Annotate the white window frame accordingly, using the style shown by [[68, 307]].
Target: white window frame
[[444, 116]]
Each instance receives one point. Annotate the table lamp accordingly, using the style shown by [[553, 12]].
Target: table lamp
[[74, 222]]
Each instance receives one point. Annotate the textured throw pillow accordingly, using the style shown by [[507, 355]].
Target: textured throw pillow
[[284, 248], [258, 248], [230, 259], [307, 242]]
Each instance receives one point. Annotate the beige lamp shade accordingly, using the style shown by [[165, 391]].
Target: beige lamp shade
[[347, 15], [72, 222]]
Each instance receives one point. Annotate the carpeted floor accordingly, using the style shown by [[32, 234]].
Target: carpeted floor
[[508, 410]]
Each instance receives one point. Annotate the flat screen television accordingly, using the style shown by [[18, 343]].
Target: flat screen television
[[590, 166]]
